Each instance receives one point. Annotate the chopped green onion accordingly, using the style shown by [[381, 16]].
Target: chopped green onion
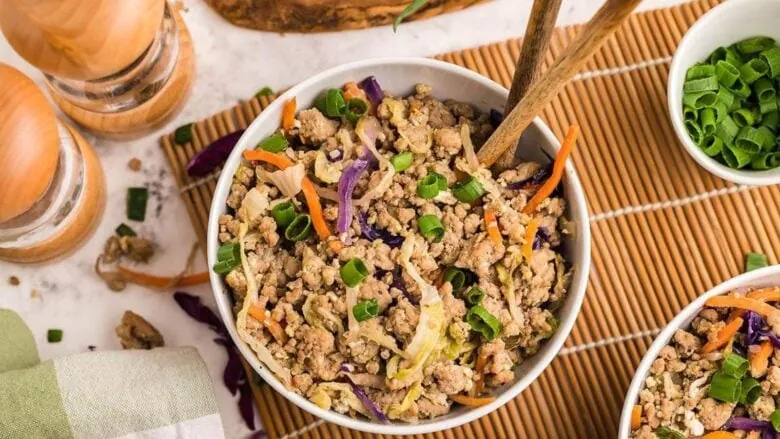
[[365, 309], [265, 91], [468, 190], [431, 185], [772, 58], [668, 433], [408, 10], [136, 203], [752, 70], [745, 117], [689, 114], [402, 161], [754, 261], [751, 390], [124, 230], [711, 145], [228, 258], [54, 335], [694, 130], [708, 118], [700, 100], [701, 84], [456, 278], [771, 120], [431, 228], [274, 143], [735, 158], [283, 213], [483, 322], [749, 140], [725, 388], [299, 228], [334, 103], [474, 296], [727, 130], [774, 418], [700, 71], [356, 108], [734, 365], [754, 45], [353, 272], [183, 134], [726, 73], [740, 89], [762, 162]]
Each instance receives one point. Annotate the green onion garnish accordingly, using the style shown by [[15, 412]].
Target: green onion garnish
[[402, 161], [283, 213], [331, 103], [365, 309], [124, 230], [474, 296], [725, 388], [774, 418], [54, 335], [299, 228], [668, 433], [228, 258], [356, 108], [430, 186], [468, 190], [754, 261], [483, 322], [353, 272], [734, 365], [136, 203], [274, 143], [265, 91], [751, 390], [408, 10], [183, 134], [456, 278], [431, 228]]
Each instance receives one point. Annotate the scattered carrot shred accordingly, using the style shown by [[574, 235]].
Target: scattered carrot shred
[[260, 314], [479, 380], [472, 401], [759, 360], [745, 303], [491, 225], [636, 417], [558, 167], [162, 281], [530, 235], [765, 294], [720, 435], [352, 91], [288, 114], [312, 199], [723, 336]]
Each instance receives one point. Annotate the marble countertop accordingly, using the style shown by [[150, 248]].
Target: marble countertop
[[232, 64]]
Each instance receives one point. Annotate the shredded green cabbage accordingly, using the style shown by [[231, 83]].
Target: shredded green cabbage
[[326, 171], [321, 318], [412, 395], [371, 330], [367, 130], [506, 277], [322, 395]]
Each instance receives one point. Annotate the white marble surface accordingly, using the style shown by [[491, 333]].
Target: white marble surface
[[232, 63]]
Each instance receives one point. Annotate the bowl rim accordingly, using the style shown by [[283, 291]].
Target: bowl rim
[[680, 320], [575, 197], [678, 69]]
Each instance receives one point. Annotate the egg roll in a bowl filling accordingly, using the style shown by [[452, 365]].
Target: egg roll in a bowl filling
[[720, 377], [378, 269]]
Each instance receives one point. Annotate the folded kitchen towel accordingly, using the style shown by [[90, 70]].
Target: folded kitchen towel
[[162, 393]]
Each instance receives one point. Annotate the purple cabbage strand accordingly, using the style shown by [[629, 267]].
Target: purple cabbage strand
[[372, 234], [373, 90], [213, 155], [347, 182]]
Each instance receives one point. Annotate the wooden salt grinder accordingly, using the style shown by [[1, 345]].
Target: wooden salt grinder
[[119, 68], [52, 190]]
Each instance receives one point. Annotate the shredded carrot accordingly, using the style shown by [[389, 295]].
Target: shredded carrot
[[312, 199], [352, 91], [530, 235], [766, 310], [472, 401], [288, 114], [558, 167], [723, 336], [636, 417], [720, 435], [479, 380], [262, 316], [765, 294], [759, 359], [491, 225], [162, 281]]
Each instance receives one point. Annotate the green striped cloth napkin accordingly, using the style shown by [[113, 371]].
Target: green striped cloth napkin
[[162, 393]]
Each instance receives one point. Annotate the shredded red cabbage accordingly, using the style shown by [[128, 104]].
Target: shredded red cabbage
[[542, 236], [766, 334], [234, 375], [363, 397], [373, 90], [746, 424], [213, 155], [372, 234], [538, 178], [347, 182], [752, 327]]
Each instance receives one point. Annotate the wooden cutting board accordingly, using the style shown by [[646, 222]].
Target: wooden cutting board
[[325, 15]]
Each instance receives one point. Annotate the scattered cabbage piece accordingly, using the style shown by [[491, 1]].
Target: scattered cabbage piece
[[468, 147], [321, 318], [412, 395], [263, 354], [397, 112], [323, 394], [289, 181], [254, 205], [352, 324], [326, 171], [367, 130], [506, 277], [373, 331]]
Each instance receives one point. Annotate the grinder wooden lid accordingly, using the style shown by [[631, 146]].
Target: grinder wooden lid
[[29, 143]]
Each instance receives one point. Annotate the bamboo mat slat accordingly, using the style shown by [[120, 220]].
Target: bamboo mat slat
[[663, 229]]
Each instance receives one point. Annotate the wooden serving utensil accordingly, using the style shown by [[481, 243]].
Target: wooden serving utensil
[[535, 44], [573, 58]]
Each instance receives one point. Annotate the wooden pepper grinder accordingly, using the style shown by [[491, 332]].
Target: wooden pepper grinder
[[52, 190], [119, 68]]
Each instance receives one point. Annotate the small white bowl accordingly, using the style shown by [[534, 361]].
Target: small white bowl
[[449, 81], [724, 25], [765, 277]]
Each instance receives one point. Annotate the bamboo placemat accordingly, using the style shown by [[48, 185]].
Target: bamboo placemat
[[664, 230]]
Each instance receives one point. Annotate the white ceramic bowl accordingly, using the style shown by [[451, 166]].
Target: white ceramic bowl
[[765, 277], [724, 25], [448, 81]]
